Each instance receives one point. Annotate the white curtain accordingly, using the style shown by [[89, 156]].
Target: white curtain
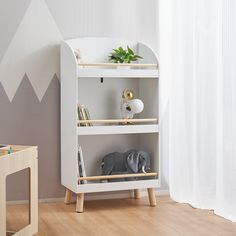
[[198, 66]]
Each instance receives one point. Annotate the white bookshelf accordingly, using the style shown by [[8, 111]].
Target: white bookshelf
[[98, 85]]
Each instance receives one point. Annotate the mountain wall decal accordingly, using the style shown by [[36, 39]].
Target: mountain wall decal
[[34, 50], [28, 121], [11, 15]]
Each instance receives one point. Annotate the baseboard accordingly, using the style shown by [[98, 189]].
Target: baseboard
[[96, 196]]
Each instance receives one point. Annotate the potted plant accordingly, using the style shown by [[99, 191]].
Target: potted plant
[[121, 55]]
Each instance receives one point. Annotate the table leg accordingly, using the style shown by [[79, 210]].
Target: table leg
[[2, 205], [34, 196]]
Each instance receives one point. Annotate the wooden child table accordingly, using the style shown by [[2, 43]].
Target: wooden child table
[[14, 158]]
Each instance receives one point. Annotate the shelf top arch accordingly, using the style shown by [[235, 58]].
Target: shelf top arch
[[93, 57]]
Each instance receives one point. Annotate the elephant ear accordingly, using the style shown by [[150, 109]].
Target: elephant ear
[[144, 158], [133, 161], [108, 163]]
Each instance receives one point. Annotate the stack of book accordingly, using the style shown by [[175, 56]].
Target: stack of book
[[83, 114]]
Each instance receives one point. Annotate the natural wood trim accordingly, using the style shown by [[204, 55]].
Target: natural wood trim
[[119, 120], [137, 193], [68, 197], [22, 157], [102, 64], [152, 197], [80, 203], [118, 176]]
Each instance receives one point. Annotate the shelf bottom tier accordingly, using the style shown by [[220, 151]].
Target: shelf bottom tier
[[117, 186]]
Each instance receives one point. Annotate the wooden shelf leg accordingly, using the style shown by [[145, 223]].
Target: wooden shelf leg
[[137, 194], [152, 196], [80, 202], [68, 197]]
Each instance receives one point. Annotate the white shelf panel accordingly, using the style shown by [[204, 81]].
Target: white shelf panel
[[117, 129], [116, 73], [117, 186]]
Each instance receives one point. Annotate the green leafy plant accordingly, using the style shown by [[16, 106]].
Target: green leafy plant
[[121, 55]]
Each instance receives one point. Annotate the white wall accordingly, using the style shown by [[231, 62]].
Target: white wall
[[132, 19]]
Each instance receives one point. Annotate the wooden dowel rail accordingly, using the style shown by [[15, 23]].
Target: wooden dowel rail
[[118, 64], [118, 176], [118, 121]]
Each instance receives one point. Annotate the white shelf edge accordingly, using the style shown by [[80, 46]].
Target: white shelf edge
[[117, 186], [116, 73], [117, 129]]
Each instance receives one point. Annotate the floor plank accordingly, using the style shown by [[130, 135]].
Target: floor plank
[[127, 217]]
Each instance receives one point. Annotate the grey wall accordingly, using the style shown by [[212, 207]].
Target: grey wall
[[29, 90], [27, 121]]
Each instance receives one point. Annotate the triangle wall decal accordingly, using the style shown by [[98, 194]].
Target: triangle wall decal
[[11, 17], [34, 50]]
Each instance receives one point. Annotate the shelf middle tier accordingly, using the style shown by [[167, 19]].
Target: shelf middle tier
[[117, 129]]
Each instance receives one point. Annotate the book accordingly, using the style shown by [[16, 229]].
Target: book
[[87, 115], [83, 114], [79, 117], [81, 167]]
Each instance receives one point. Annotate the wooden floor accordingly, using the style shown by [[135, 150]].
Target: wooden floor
[[123, 218]]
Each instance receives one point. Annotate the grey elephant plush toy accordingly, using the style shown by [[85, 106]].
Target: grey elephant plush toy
[[132, 161]]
